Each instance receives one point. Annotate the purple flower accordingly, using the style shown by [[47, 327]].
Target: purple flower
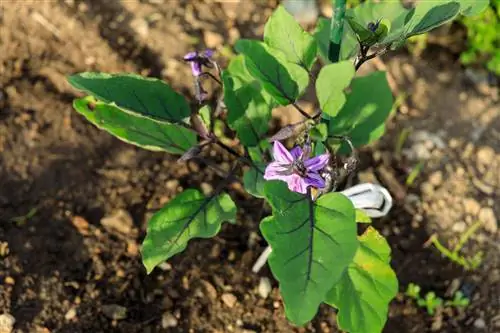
[[296, 168], [198, 60]]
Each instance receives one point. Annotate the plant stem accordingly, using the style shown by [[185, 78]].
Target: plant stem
[[301, 110], [336, 30]]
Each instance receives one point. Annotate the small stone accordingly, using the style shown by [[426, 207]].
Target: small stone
[[81, 225], [485, 155], [168, 320], [436, 178], [212, 39], [480, 324], [172, 184], [70, 314], [120, 221], [229, 299], [206, 188], [210, 290], [7, 322], [264, 288], [9, 280], [114, 311], [487, 216], [459, 227], [4, 249], [471, 206], [132, 248], [165, 266]]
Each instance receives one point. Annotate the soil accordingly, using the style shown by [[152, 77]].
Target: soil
[[64, 270]]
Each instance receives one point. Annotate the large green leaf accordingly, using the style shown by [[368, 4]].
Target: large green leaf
[[367, 107], [131, 128], [430, 15], [253, 180], [330, 85], [472, 7], [189, 215], [367, 286], [285, 34], [147, 97], [312, 242], [248, 111], [349, 45], [285, 81]]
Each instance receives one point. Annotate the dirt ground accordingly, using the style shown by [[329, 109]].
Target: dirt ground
[[65, 269]]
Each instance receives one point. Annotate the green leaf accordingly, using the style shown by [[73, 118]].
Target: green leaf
[[312, 242], [363, 293], [253, 180], [367, 107], [189, 215], [147, 97], [332, 81], [282, 32], [348, 47], [131, 128], [430, 15], [472, 7], [248, 112], [319, 132], [361, 217], [283, 80]]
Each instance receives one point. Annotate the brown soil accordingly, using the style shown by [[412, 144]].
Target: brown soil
[[61, 268]]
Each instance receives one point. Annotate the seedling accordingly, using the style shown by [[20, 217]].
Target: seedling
[[315, 251]]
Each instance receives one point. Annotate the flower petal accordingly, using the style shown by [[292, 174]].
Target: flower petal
[[317, 163], [276, 170], [281, 154], [196, 68], [297, 184], [296, 152], [191, 56], [208, 53], [315, 180]]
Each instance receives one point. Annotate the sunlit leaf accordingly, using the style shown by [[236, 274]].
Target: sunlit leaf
[[312, 242], [282, 32], [134, 129], [330, 85], [285, 81], [147, 97], [365, 289], [189, 215]]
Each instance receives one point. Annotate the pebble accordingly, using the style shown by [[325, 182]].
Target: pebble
[[7, 322], [81, 225], [471, 206], [114, 311], [206, 188], [140, 26], [165, 266], [70, 314], [427, 189], [120, 221], [229, 299], [459, 227], [436, 178], [485, 156], [172, 184], [210, 290], [168, 320], [9, 280], [264, 288], [487, 216], [479, 323]]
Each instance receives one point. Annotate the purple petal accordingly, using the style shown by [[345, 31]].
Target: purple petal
[[317, 163], [276, 170], [314, 179], [191, 56], [196, 68], [297, 184], [208, 53], [296, 152], [281, 154]]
